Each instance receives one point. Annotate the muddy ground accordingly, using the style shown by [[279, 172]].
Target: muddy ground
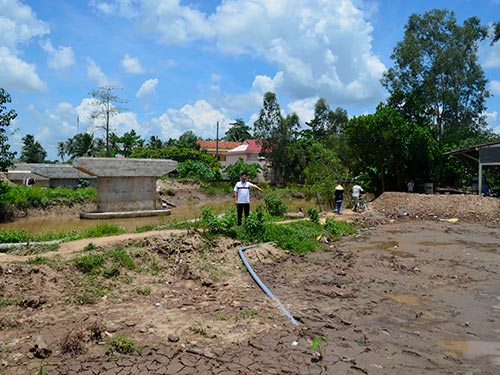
[[415, 291]]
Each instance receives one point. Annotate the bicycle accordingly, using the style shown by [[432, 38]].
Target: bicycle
[[361, 204]]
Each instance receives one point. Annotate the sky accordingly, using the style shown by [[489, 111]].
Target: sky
[[190, 64]]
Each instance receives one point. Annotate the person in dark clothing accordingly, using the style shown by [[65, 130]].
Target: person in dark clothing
[[339, 197]]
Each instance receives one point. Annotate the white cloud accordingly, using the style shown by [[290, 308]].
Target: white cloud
[[172, 22], [15, 74], [201, 118], [147, 89], [60, 58], [96, 75], [124, 8], [303, 108], [132, 65], [495, 87], [19, 24], [322, 47]]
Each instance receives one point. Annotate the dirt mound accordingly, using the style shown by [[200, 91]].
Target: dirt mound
[[471, 208]]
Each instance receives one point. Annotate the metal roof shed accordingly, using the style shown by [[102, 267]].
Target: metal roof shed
[[486, 154]]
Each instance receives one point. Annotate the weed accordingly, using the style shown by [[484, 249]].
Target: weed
[[339, 228], [91, 247], [4, 302], [102, 230], [122, 258], [110, 273], [199, 329], [73, 342], [317, 346], [246, 314], [89, 264], [123, 345], [313, 214], [146, 291], [221, 317]]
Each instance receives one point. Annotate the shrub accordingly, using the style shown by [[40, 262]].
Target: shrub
[[339, 228], [313, 214], [123, 345], [254, 226], [89, 264], [275, 205]]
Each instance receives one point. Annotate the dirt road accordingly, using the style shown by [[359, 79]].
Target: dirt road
[[406, 297]]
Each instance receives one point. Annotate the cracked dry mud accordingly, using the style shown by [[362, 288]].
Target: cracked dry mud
[[402, 296]]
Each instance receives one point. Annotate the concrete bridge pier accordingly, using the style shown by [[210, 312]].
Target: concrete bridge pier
[[125, 187]]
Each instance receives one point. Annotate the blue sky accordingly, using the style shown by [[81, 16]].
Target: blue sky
[[184, 65]]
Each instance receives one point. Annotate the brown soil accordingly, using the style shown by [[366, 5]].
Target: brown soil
[[410, 293]]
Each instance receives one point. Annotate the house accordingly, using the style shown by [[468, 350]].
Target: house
[[250, 151], [218, 149]]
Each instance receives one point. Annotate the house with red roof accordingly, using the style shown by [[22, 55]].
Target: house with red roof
[[250, 151], [217, 149]]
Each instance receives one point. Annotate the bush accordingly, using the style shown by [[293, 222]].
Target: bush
[[275, 205], [197, 169], [313, 214], [254, 226], [339, 228]]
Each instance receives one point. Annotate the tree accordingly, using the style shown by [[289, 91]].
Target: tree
[[188, 140], [436, 79], [496, 33], [154, 143], [6, 156], [61, 150], [128, 142], [395, 149], [82, 144], [238, 131], [32, 151], [323, 172], [105, 107], [233, 171], [277, 136]]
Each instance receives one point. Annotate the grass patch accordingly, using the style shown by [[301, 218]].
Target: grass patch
[[123, 345], [146, 291], [246, 314], [4, 302], [202, 330], [102, 230], [89, 264]]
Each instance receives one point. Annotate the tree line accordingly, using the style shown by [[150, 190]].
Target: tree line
[[436, 103]]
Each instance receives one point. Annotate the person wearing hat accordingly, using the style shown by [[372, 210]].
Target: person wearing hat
[[339, 197]]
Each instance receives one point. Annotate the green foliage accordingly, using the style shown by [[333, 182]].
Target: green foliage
[[6, 156], [23, 197], [313, 214], [145, 291], [298, 236], [233, 171], [322, 170], [437, 80], [254, 226], [121, 257], [197, 169], [275, 205], [123, 345], [4, 302], [89, 264], [338, 228], [32, 151], [14, 236], [102, 230], [214, 225], [396, 149], [238, 131]]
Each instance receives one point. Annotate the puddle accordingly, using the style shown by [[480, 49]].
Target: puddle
[[380, 245], [433, 243], [402, 254], [472, 349], [406, 299]]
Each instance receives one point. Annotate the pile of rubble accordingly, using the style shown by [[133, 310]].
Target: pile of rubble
[[470, 208]]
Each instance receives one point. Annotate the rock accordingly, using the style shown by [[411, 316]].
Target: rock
[[41, 349]]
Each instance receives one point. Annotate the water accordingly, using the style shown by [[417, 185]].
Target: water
[[65, 223]]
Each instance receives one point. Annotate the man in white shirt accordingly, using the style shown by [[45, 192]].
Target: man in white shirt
[[356, 191], [242, 196]]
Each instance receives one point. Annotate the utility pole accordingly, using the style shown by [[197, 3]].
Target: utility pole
[[217, 142]]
